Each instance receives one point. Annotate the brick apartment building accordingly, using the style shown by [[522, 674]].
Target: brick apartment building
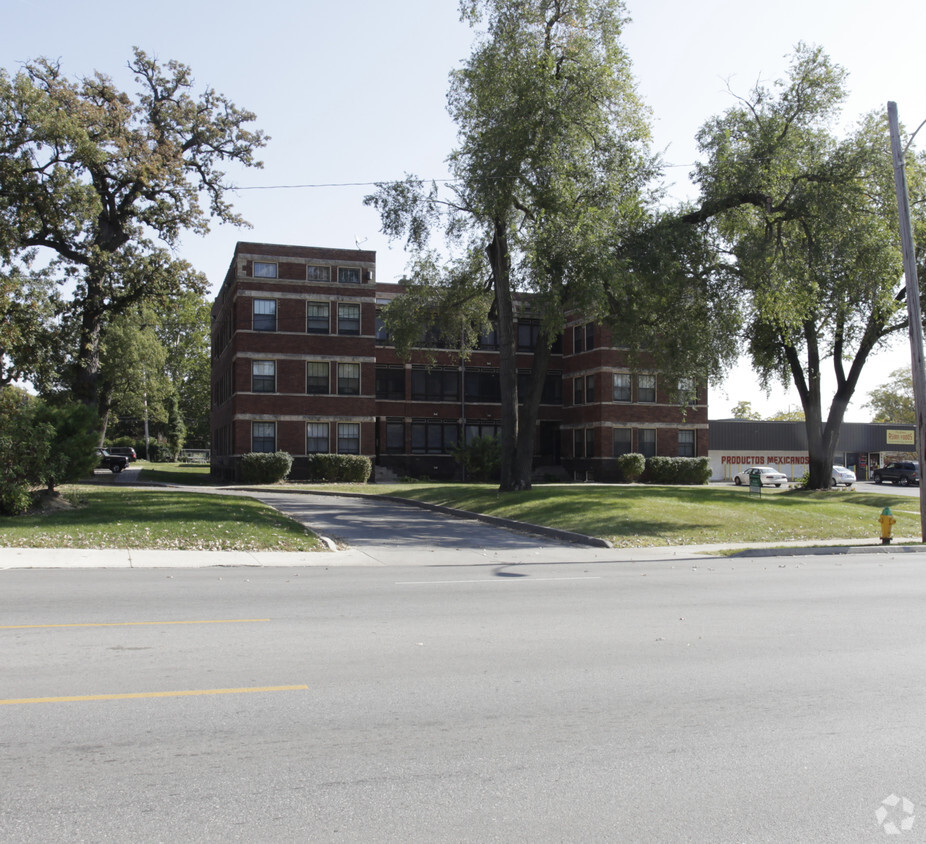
[[301, 363]]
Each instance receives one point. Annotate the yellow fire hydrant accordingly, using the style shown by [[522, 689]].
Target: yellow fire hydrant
[[887, 523]]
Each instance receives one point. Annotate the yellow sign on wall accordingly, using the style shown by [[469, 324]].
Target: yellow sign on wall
[[901, 437]]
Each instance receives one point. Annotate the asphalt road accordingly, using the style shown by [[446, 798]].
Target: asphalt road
[[735, 700]]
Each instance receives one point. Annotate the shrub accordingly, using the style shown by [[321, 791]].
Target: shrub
[[340, 468], [677, 470], [631, 466], [265, 468], [72, 448], [24, 447], [480, 458], [160, 453]]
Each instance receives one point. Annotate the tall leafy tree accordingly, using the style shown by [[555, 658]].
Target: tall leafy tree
[[105, 184], [809, 222], [893, 402], [549, 195]]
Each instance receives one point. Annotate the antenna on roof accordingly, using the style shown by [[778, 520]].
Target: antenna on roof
[[358, 241]]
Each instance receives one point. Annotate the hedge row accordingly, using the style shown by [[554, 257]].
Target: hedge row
[[339, 468], [265, 468], [677, 470]]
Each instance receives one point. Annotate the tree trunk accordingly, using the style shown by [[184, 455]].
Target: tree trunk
[[500, 262], [87, 375], [530, 410]]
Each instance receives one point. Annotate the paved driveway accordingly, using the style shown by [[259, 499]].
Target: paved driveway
[[396, 534]]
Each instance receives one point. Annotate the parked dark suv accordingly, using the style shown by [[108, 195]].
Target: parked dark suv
[[902, 472], [114, 462], [124, 450]]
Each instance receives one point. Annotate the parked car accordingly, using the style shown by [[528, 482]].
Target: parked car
[[768, 476], [842, 475], [903, 472], [114, 462], [124, 450]]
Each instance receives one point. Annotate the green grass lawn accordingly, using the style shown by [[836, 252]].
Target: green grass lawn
[[187, 474], [641, 515], [122, 517], [113, 516]]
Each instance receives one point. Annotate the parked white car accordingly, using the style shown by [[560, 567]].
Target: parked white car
[[842, 475], [768, 475]]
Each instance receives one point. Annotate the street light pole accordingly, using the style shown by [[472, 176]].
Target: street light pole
[[914, 316]]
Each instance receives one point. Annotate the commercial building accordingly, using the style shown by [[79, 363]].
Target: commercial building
[[862, 447], [301, 363]]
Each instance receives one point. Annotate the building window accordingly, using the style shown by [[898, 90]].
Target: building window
[[264, 315], [348, 438], [435, 384], [489, 340], [395, 437], [382, 333], [686, 391], [434, 437], [348, 379], [577, 390], [348, 275], [589, 389], [264, 437], [317, 377], [552, 387], [390, 383], [313, 273], [348, 319], [316, 438], [646, 437], [620, 389], [263, 376], [263, 269], [483, 386], [528, 332], [621, 441], [577, 335], [578, 443], [317, 316], [646, 388], [589, 442], [479, 430], [590, 336], [686, 444]]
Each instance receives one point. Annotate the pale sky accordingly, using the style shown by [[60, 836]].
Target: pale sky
[[354, 92]]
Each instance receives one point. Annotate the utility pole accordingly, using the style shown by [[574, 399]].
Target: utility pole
[[914, 316]]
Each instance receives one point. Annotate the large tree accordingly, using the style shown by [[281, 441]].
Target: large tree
[[550, 196], [808, 220], [97, 187], [893, 401]]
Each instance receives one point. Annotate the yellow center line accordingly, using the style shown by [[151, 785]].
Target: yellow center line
[[132, 623], [140, 695]]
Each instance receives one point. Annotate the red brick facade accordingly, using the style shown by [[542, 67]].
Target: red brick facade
[[297, 366]]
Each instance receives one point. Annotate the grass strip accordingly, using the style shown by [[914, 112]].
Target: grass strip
[[123, 517]]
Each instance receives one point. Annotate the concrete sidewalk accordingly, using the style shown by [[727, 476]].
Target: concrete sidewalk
[[418, 555]]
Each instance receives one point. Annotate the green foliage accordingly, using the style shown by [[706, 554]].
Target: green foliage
[[176, 429], [893, 402], [550, 194], [807, 224], [480, 458], [158, 452], [789, 415], [263, 468], [71, 452], [340, 468], [106, 184], [677, 470], [631, 466], [743, 410], [24, 449]]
